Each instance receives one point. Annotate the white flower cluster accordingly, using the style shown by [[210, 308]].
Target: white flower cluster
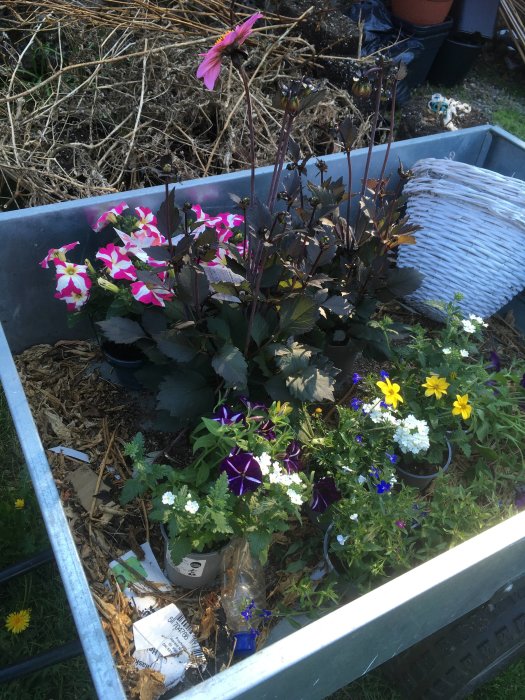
[[412, 435], [472, 323], [191, 506], [168, 498], [379, 414], [277, 475]]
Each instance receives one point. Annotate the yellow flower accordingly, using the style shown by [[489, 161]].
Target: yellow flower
[[19, 503], [462, 407], [283, 409], [435, 386], [18, 621], [391, 392]]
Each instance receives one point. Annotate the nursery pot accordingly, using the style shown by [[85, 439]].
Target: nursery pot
[[124, 360], [195, 570], [423, 481], [454, 59], [423, 12]]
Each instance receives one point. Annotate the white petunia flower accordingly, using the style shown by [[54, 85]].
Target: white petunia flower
[[192, 507], [463, 353], [168, 498]]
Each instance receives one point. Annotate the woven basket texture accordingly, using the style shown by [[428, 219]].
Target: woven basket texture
[[472, 236]]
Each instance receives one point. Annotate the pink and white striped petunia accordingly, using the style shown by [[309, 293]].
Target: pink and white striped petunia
[[119, 265], [150, 293], [110, 217], [210, 67], [135, 247], [146, 217], [57, 254], [68, 272], [148, 237], [74, 297]]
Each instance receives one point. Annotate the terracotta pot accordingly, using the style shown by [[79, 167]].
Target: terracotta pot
[[195, 570], [423, 481], [422, 12]]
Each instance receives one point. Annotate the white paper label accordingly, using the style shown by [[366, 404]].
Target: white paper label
[[191, 567]]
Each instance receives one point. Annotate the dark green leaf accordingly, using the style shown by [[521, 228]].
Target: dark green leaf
[[121, 330], [260, 329], [311, 385], [298, 315], [231, 365], [175, 345], [186, 394]]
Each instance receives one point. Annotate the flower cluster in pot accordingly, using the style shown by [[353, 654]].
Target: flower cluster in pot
[[245, 479], [245, 302]]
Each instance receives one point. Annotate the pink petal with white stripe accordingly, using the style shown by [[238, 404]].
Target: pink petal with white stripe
[[119, 265], [109, 217], [57, 253], [146, 217], [150, 294], [69, 272], [74, 297]]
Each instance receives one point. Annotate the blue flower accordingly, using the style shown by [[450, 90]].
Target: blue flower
[[383, 404], [247, 613], [325, 492], [292, 460], [392, 457], [356, 403], [243, 471], [359, 438], [384, 375], [374, 471], [265, 614], [383, 486], [356, 378]]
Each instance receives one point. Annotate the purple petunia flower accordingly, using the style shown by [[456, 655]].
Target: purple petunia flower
[[392, 457], [243, 471], [266, 430], [292, 459], [401, 524], [359, 438], [356, 378], [384, 375], [383, 486], [356, 404], [253, 405], [226, 416], [495, 362], [325, 492]]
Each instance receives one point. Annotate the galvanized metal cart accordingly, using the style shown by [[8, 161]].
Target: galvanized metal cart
[[347, 643]]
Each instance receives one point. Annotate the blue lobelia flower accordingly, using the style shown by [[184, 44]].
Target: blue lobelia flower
[[383, 486], [374, 471], [325, 492], [359, 438], [384, 375], [356, 403], [226, 416], [356, 378], [243, 471], [392, 457]]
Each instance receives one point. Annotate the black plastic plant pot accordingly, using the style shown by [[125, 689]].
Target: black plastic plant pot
[[124, 360], [455, 59]]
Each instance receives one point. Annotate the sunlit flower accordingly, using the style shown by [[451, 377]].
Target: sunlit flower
[[57, 254], [68, 272], [468, 326], [391, 392], [446, 351], [151, 292], [17, 622], [19, 503], [435, 386], [191, 506], [243, 472], [110, 217], [210, 67], [462, 407]]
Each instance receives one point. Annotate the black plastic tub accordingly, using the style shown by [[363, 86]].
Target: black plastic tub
[[431, 38], [455, 58]]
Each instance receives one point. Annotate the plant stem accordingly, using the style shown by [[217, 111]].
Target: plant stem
[[390, 137], [281, 154], [379, 86], [349, 200], [249, 115]]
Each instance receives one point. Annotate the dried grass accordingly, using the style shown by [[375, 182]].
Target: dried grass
[[92, 94]]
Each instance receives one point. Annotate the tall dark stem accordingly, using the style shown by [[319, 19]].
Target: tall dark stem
[[390, 137], [168, 217], [379, 87], [281, 154], [249, 114], [349, 200]]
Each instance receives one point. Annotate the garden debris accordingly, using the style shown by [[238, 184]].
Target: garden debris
[[164, 642], [85, 482], [447, 109], [68, 452], [513, 13]]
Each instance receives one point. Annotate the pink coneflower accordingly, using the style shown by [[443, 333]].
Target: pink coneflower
[[210, 67]]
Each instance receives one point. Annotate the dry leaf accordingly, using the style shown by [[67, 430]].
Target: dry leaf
[[150, 685]]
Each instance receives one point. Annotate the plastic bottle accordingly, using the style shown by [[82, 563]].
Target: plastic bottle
[[243, 595]]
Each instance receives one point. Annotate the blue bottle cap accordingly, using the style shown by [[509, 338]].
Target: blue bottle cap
[[245, 643]]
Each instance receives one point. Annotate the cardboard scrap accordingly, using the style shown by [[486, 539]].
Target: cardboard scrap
[[84, 481], [147, 569], [164, 642]]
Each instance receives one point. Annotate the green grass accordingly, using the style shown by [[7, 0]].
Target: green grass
[[23, 534], [511, 119]]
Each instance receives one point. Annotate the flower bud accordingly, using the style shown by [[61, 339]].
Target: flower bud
[[107, 285]]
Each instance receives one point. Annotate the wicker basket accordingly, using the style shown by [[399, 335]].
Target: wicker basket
[[471, 238]]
